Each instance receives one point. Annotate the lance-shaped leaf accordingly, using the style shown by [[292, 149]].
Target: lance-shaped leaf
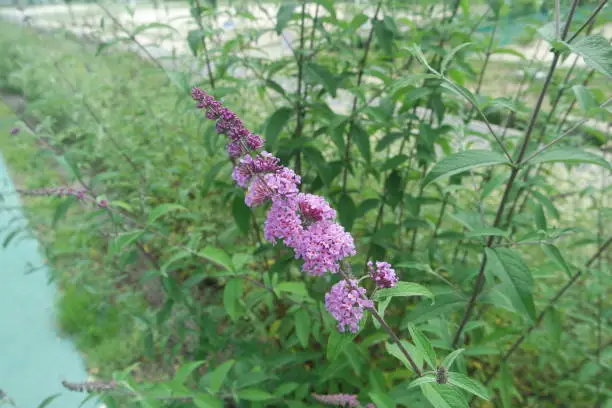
[[508, 265], [464, 161], [571, 156]]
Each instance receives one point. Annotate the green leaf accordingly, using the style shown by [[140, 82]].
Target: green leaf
[[508, 265], [486, 232], [106, 44], [443, 396], [231, 298], [9, 237], [124, 240], [163, 210], [547, 203], [362, 140], [596, 52], [450, 359], [318, 74], [194, 40], [337, 342], [403, 289], [241, 213], [449, 57], [47, 400], [217, 256], [468, 384], [329, 6], [396, 352], [182, 373], [394, 162], [382, 400], [464, 161], [218, 376], [540, 218], [506, 385], [254, 394], [297, 288], [276, 122], [553, 253], [492, 184], [423, 344], [302, 326], [553, 325], [285, 389], [283, 16], [347, 211], [176, 257], [384, 36], [422, 380], [584, 98], [459, 90], [207, 401], [62, 209], [144, 27], [569, 155]]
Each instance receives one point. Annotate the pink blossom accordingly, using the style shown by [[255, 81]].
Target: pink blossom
[[346, 302], [339, 400], [382, 274], [322, 246]]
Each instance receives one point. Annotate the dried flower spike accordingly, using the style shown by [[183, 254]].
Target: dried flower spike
[[442, 375], [339, 400], [90, 386], [56, 192]]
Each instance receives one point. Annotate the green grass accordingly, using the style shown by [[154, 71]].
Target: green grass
[[101, 329], [139, 109]]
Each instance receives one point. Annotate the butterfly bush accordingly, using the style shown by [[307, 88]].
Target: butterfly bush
[[382, 274], [305, 223]]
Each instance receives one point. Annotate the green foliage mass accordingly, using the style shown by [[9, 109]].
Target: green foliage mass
[[486, 190]]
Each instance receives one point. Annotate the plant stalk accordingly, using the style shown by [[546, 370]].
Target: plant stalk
[[300, 108], [478, 285], [360, 70], [549, 306]]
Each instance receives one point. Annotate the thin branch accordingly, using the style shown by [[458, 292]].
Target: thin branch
[[479, 283], [601, 5], [558, 138], [362, 63], [131, 36], [549, 306], [300, 110], [211, 77]]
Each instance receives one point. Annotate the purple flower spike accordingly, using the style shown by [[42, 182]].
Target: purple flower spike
[[15, 131], [241, 140], [56, 192], [338, 400], [322, 246], [250, 167], [346, 302], [382, 274]]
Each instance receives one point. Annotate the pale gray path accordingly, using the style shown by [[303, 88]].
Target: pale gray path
[[33, 358]]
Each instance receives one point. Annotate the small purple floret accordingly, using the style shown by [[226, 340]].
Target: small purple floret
[[382, 274], [346, 302]]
